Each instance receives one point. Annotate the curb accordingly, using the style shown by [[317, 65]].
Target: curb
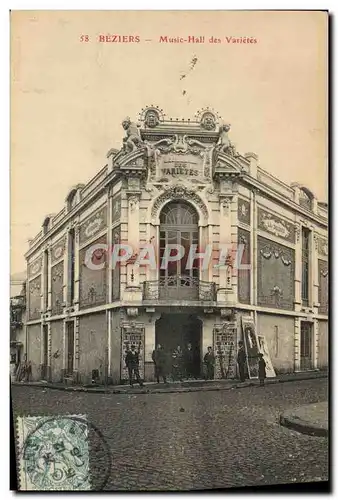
[[302, 426], [170, 390]]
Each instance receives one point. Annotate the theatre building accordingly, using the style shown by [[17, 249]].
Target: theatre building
[[180, 183]]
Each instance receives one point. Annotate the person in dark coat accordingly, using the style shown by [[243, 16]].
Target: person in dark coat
[[241, 361], [177, 364], [132, 363], [160, 362], [189, 362], [209, 360], [261, 369]]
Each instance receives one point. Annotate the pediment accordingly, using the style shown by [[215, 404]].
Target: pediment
[[227, 164], [134, 159]]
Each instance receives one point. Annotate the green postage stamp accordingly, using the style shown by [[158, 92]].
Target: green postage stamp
[[53, 453]]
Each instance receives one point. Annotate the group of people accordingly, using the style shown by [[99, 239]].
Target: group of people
[[180, 365]]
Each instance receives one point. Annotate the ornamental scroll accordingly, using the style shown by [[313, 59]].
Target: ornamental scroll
[[93, 225], [276, 225]]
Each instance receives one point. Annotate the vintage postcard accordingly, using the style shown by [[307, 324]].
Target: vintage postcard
[[169, 250]]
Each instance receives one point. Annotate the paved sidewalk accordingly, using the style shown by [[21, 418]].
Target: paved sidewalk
[[308, 419], [188, 386]]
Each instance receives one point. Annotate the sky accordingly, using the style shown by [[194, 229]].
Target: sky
[[69, 97]]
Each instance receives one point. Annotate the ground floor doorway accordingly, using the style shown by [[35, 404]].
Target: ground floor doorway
[[306, 346], [173, 330], [70, 347]]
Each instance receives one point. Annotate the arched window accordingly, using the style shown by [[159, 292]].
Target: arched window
[[305, 198], [179, 272]]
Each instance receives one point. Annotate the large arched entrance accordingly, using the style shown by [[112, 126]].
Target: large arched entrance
[[178, 226], [173, 330]]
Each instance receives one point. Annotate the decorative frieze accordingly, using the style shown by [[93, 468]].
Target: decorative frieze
[[244, 275], [34, 300], [323, 291], [323, 248], [93, 274], [57, 274], [93, 225], [35, 268], [178, 192], [275, 275], [116, 208], [243, 211], [58, 250], [276, 225]]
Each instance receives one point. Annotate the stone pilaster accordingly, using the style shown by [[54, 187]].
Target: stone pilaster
[[298, 268], [133, 289], [227, 237], [109, 254], [76, 265], [297, 344], [315, 275], [253, 248], [315, 344], [76, 350]]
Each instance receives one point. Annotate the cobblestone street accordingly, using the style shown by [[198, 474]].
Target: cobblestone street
[[195, 440]]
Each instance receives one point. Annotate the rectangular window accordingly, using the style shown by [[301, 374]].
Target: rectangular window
[[46, 276], [305, 265], [71, 261]]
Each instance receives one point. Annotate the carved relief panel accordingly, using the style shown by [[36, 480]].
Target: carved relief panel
[[244, 275], [275, 275], [323, 292], [58, 250], [243, 211], [57, 288], [93, 274], [276, 225], [323, 248], [93, 225], [116, 208], [34, 294], [116, 269], [35, 267]]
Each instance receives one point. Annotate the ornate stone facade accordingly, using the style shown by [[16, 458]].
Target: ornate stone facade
[[161, 164], [275, 275]]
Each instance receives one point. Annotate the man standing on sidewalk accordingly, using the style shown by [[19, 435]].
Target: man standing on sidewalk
[[209, 360], [241, 360], [132, 362], [159, 358]]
